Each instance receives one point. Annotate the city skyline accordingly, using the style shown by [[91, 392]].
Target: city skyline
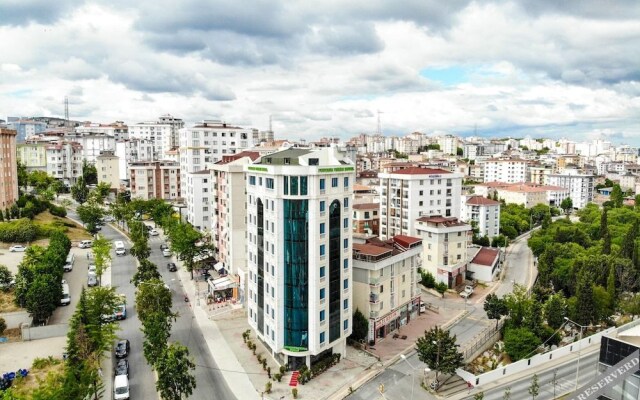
[[498, 69]]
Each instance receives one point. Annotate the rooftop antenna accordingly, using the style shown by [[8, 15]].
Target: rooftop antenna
[[66, 111], [270, 123], [379, 126]]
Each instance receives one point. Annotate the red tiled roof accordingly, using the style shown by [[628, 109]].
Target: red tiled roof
[[482, 201], [371, 249], [357, 187], [366, 206], [421, 171], [253, 155], [406, 241], [486, 256]]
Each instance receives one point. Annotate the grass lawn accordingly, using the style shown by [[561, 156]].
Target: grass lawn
[[6, 302], [74, 232], [38, 372]]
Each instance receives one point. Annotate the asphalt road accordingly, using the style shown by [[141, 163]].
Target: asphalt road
[[210, 383], [77, 279]]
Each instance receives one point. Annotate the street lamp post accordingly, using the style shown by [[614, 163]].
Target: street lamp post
[[579, 345]]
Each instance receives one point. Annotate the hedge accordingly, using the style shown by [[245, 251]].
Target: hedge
[[20, 231]]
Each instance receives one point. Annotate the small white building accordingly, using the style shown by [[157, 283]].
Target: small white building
[[484, 264], [485, 212]]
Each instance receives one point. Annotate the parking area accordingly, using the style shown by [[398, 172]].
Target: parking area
[[76, 278], [10, 259]]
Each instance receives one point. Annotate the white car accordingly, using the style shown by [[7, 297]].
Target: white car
[[166, 253], [92, 268], [17, 248], [153, 232], [108, 218]]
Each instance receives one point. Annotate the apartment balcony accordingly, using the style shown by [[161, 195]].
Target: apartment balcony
[[374, 282], [374, 314], [374, 298]]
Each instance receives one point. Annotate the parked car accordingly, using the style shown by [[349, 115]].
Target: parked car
[[92, 279], [92, 268], [121, 387], [153, 232], [172, 267], [163, 246], [108, 218], [121, 312], [85, 244], [122, 348], [166, 253], [17, 248], [467, 292], [122, 368]]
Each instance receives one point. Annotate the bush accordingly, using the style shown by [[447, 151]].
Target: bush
[[267, 387], [520, 342], [277, 377], [294, 393], [3, 325], [428, 280], [57, 211], [21, 231], [442, 287]]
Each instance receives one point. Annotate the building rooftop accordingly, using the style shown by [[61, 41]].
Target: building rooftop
[[375, 249], [440, 220], [486, 256], [281, 157], [253, 155], [482, 201], [361, 188], [420, 171], [366, 206]]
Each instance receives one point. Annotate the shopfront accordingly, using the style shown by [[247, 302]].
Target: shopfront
[[382, 327]]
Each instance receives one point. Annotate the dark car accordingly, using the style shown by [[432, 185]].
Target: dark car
[[163, 246], [122, 368], [172, 267], [122, 348]]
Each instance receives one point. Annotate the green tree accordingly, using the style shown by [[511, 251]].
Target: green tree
[[478, 396], [629, 240], [520, 343], [23, 175], [546, 221], [604, 224], [5, 277], [80, 191], [89, 173], [101, 249], [146, 271], [631, 304], [360, 326], [636, 202], [90, 214], [495, 307], [534, 388], [157, 330], [585, 312], [43, 296], [566, 205], [555, 309], [459, 151], [606, 243], [186, 242], [519, 304], [499, 241], [175, 377], [617, 197], [153, 296], [438, 349], [40, 180], [611, 285]]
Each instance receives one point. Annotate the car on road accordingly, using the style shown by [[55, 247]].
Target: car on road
[[122, 368], [166, 253], [92, 268], [92, 279], [121, 387], [154, 232], [121, 312], [122, 348], [85, 244], [17, 248], [108, 218], [163, 246], [172, 267]]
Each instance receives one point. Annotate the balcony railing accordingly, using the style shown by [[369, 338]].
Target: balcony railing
[[374, 298]]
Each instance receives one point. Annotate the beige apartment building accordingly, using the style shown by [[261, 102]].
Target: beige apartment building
[[33, 156], [155, 180], [108, 167], [525, 195], [8, 168], [385, 283], [445, 242]]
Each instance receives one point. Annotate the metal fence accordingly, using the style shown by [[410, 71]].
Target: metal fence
[[482, 341]]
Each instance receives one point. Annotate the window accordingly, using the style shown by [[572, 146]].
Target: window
[[273, 292], [334, 182], [321, 315], [322, 184], [345, 324], [346, 202], [252, 180], [321, 337], [322, 294], [269, 183], [345, 284], [345, 223], [346, 243], [322, 228], [403, 278], [346, 181], [286, 185], [322, 272], [345, 304], [345, 263], [322, 206], [322, 250]]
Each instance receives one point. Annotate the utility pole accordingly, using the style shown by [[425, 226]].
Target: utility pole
[[379, 126]]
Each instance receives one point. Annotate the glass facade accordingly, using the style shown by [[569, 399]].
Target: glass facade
[[296, 282], [335, 251], [260, 266]]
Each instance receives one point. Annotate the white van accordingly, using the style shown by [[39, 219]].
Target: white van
[[120, 250], [121, 387], [66, 297], [68, 265], [85, 244]]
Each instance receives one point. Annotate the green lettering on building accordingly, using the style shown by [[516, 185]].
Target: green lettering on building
[[336, 169], [259, 169], [294, 349]]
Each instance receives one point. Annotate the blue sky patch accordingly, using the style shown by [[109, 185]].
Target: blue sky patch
[[448, 76]]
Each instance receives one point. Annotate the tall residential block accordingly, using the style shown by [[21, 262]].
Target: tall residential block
[[299, 252], [8, 168], [410, 193], [155, 180], [108, 168]]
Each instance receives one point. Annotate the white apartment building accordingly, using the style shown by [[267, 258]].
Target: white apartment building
[[119, 130], [507, 171], [130, 151], [485, 212], [580, 187], [444, 242], [448, 144], [409, 193], [93, 144], [64, 161], [229, 215], [176, 124], [158, 134], [108, 168], [155, 180], [385, 283], [299, 253], [539, 174], [206, 143], [199, 198]]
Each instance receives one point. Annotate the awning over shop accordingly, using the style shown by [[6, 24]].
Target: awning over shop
[[221, 283], [218, 266]]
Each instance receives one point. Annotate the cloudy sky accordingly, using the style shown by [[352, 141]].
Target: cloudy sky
[[530, 68]]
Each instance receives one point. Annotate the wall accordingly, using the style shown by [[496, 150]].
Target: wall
[[43, 332], [14, 319]]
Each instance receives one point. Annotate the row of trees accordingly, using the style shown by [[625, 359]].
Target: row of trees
[[38, 282]]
